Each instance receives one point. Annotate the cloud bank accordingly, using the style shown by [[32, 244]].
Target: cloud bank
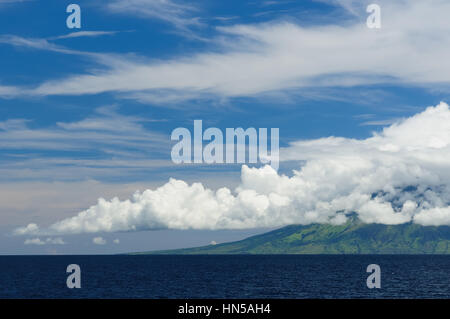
[[398, 175]]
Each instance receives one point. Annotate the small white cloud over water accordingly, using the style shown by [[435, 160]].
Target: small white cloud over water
[[49, 241], [34, 241], [99, 241]]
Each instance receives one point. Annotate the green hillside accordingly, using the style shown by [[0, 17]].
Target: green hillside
[[351, 238]]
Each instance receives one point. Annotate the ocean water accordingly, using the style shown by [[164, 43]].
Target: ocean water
[[286, 276]]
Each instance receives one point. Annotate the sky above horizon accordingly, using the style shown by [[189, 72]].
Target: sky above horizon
[[88, 113]]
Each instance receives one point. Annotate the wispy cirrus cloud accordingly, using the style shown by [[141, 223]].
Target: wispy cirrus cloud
[[180, 15], [252, 60], [9, 91], [11, 1], [46, 45], [105, 127], [81, 34], [116, 144], [380, 122]]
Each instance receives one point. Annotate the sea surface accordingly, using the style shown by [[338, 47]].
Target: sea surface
[[246, 276]]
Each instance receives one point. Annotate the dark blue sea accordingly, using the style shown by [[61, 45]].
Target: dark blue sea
[[286, 276]]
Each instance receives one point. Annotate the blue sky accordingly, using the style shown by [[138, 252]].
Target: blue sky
[[89, 114]]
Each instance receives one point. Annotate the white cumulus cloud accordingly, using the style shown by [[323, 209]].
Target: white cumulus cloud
[[398, 175]]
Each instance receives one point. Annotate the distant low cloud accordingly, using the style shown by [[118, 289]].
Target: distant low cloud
[[48, 241], [34, 241], [400, 174], [99, 241], [29, 229]]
